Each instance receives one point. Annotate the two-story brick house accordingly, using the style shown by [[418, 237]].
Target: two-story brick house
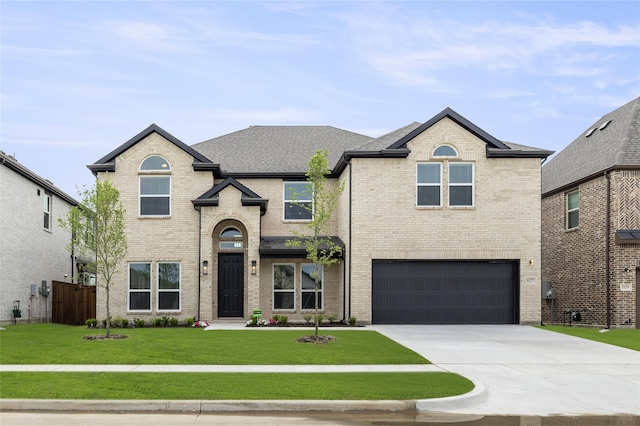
[[591, 223], [33, 248], [440, 223]]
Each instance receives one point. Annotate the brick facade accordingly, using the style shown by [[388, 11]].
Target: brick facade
[[575, 261]]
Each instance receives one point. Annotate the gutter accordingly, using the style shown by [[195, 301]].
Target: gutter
[[350, 235], [199, 256]]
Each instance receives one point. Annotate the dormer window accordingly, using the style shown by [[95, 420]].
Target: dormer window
[[155, 186]]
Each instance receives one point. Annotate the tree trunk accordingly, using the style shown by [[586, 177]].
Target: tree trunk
[[108, 313]]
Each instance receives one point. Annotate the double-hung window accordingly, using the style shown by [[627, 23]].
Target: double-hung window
[[461, 184], [573, 210], [284, 286], [140, 287], [445, 179], [298, 201], [429, 184], [308, 286], [155, 187], [47, 211], [168, 286]]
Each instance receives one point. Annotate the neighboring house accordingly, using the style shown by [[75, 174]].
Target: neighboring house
[[32, 246], [591, 224], [440, 223]]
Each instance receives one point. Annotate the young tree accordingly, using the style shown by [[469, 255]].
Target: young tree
[[320, 248], [97, 229]]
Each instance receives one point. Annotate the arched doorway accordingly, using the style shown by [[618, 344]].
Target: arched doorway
[[230, 240]]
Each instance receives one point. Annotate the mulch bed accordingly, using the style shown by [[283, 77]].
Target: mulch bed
[[105, 337], [320, 340]]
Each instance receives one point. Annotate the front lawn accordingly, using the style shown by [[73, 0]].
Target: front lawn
[[240, 386], [59, 344], [63, 344], [627, 338]]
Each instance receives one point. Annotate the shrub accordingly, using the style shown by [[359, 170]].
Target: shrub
[[320, 319], [157, 322], [332, 317], [116, 322], [91, 322], [173, 322], [307, 318], [283, 319], [165, 320], [352, 321], [138, 323], [190, 321], [125, 323]]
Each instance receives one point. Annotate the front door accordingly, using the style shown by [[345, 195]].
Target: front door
[[230, 284]]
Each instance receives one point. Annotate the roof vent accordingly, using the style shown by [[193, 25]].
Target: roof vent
[[604, 125], [589, 132]]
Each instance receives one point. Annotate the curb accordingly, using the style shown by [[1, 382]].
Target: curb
[[202, 406], [221, 406]]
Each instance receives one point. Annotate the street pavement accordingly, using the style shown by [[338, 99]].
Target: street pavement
[[517, 370]]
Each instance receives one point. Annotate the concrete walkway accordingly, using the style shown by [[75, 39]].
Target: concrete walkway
[[518, 370]]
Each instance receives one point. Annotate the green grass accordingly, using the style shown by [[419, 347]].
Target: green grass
[[626, 338], [242, 386], [60, 344]]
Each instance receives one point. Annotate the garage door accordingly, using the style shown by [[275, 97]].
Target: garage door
[[444, 292]]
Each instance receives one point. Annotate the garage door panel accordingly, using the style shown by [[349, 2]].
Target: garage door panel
[[444, 292]]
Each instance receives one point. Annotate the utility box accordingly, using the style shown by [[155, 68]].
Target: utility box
[[548, 292]]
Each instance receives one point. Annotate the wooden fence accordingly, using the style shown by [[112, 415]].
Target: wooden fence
[[72, 304]]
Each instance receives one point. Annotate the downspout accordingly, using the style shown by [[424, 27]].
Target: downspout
[[199, 256], [607, 248], [350, 233]]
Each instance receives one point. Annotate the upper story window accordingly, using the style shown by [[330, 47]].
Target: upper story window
[[155, 187], [230, 238], [446, 179], [445, 151], [429, 177], [298, 201], [47, 211], [573, 210]]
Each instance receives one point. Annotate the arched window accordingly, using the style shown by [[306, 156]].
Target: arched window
[[445, 151], [230, 238], [155, 187], [155, 162]]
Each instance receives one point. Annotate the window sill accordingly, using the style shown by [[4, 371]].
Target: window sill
[[577, 228], [155, 217]]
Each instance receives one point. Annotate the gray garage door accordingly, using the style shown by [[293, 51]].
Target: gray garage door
[[444, 292]]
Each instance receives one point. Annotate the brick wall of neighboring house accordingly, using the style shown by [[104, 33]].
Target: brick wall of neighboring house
[[29, 253], [504, 224], [575, 260]]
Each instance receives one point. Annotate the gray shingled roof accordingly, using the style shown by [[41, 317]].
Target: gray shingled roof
[[277, 149], [13, 164], [598, 149], [385, 141]]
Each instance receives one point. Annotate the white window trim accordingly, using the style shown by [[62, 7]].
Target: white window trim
[[472, 184], [285, 200], [274, 290], [140, 195], [130, 290], [567, 210], [441, 185], [320, 290], [159, 290], [46, 210]]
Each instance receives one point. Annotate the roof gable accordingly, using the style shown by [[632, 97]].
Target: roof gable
[[107, 163], [458, 119], [611, 142], [249, 198]]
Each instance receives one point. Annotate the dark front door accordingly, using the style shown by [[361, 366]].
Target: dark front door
[[230, 284]]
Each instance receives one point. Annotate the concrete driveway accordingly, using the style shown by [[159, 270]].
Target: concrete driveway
[[522, 370]]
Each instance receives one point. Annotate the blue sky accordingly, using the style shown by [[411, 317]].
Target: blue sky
[[80, 78]]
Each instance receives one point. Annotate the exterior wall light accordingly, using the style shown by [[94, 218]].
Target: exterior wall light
[[253, 267], [205, 267]]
